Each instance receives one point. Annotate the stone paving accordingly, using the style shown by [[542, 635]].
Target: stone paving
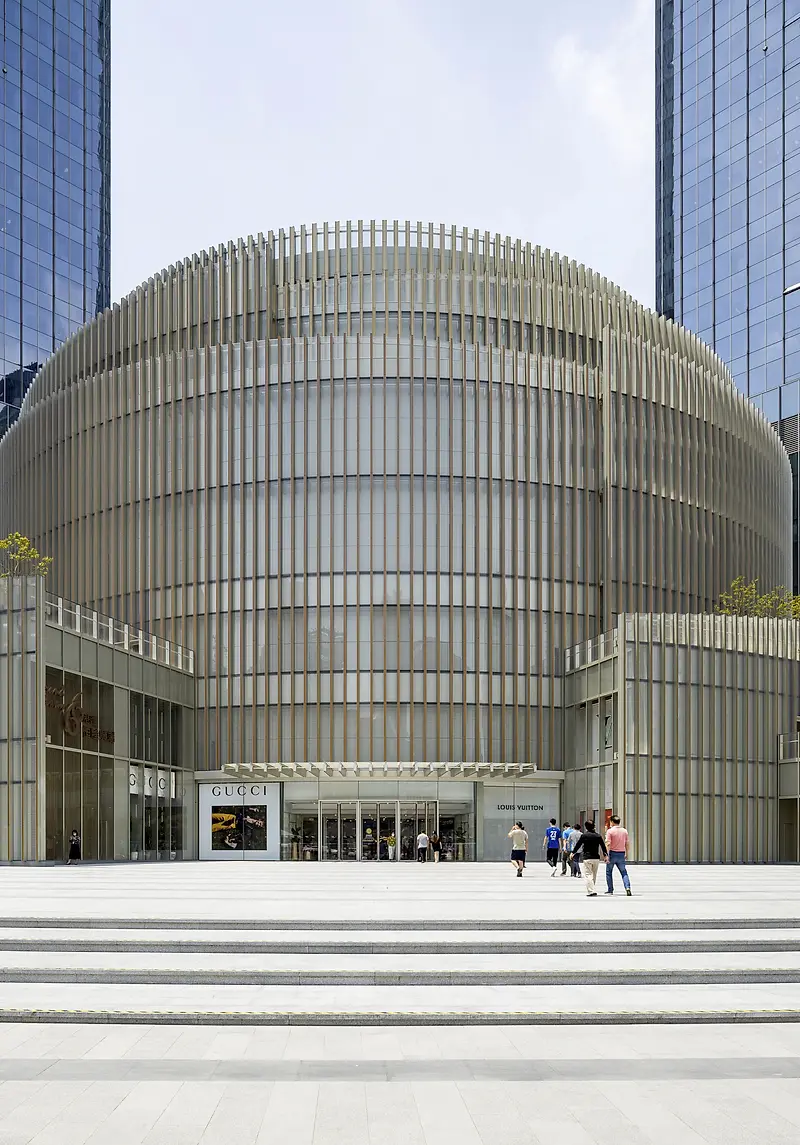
[[313, 1005]]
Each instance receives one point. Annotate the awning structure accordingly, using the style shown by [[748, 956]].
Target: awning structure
[[349, 770]]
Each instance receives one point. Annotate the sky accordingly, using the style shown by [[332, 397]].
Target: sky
[[525, 117]]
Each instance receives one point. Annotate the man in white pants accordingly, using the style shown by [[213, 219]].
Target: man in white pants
[[588, 849]]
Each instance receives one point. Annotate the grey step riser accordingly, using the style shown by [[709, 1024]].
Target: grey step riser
[[512, 925], [447, 1069], [391, 948], [398, 1018], [403, 978]]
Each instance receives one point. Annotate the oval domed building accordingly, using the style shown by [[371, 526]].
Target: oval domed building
[[379, 477]]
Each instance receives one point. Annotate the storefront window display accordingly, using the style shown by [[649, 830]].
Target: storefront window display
[[156, 785], [239, 820]]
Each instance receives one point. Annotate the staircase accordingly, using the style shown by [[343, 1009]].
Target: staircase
[[388, 972]]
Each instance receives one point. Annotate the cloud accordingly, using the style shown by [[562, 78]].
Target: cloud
[[246, 118], [612, 82]]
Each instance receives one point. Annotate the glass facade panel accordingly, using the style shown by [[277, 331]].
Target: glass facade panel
[[728, 194], [55, 167]]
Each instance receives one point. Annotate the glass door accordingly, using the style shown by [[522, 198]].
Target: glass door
[[329, 830], [408, 831], [415, 818], [348, 831], [387, 832], [368, 818], [373, 832]]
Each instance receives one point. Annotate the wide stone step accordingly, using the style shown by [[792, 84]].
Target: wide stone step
[[390, 961], [432, 943], [399, 1005], [566, 977]]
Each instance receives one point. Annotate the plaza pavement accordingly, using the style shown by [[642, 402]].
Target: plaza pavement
[[315, 1004]]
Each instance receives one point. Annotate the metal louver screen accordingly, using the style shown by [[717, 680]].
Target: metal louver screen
[[789, 430]]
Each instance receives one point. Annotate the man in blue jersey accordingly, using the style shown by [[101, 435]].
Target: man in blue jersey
[[551, 844]]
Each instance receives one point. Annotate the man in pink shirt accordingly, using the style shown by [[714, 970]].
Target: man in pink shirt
[[617, 843]]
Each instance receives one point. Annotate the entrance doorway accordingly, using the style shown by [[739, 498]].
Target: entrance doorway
[[374, 831]]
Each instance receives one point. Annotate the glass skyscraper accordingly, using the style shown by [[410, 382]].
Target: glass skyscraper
[[55, 167], [728, 192]]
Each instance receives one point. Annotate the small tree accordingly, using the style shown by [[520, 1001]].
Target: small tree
[[18, 557], [744, 599], [741, 599]]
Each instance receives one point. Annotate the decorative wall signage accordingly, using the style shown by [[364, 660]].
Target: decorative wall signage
[[74, 717]]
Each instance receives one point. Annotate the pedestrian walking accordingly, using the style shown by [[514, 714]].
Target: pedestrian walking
[[422, 847], [436, 847], [519, 847], [589, 847], [617, 843], [575, 866], [551, 844], [566, 830], [74, 855]]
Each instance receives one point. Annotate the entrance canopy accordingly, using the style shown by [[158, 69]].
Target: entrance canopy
[[347, 770]]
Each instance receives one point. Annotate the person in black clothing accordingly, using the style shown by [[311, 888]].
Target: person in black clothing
[[74, 848], [564, 851], [588, 849]]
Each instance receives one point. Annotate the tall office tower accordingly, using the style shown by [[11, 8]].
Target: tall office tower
[[728, 193], [55, 167]]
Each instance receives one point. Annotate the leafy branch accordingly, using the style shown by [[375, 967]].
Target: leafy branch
[[18, 557], [744, 599]]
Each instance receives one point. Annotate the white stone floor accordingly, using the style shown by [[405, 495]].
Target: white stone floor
[[248, 892], [175, 1086], [103, 1083]]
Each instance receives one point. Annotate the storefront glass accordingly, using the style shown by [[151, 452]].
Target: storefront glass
[[376, 820], [156, 787], [502, 806]]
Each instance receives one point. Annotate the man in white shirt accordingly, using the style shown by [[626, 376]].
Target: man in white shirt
[[422, 847], [519, 847]]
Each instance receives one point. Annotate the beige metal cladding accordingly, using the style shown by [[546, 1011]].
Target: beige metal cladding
[[703, 700], [377, 475]]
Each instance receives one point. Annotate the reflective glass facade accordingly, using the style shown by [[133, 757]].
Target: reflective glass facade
[[55, 166], [379, 476], [728, 192]]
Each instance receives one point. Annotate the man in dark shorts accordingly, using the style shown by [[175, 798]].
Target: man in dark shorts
[[519, 847], [551, 843]]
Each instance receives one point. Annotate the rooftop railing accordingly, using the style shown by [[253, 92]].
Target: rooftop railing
[[590, 651], [788, 746], [82, 621]]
